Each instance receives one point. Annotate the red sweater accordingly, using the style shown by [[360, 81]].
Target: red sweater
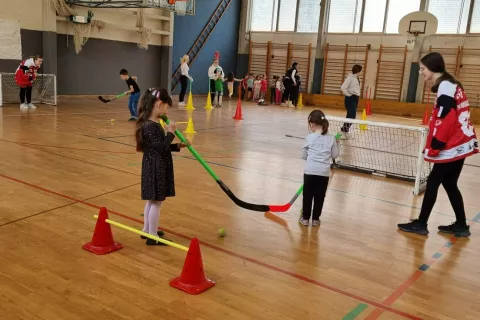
[[26, 73], [451, 135]]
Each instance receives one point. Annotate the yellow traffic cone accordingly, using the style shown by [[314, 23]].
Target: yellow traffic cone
[[162, 123], [190, 128], [190, 102], [209, 106], [364, 118], [300, 101]]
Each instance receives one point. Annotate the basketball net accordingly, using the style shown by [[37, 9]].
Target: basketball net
[[181, 7], [412, 37]]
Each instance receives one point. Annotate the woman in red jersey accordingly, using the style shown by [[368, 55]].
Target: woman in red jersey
[[450, 140]]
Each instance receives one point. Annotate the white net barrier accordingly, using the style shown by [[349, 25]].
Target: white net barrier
[[391, 150], [44, 89]]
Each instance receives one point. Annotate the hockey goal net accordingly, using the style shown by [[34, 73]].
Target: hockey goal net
[[44, 89], [385, 149]]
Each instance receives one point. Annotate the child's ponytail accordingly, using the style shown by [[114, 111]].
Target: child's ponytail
[[318, 117], [147, 102], [144, 111]]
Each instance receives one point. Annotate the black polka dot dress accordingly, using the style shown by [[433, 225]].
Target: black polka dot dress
[[157, 164]]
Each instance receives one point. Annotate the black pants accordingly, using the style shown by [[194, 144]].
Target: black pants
[[445, 174], [26, 92], [212, 90], [288, 84], [272, 95], [294, 95], [183, 90], [351, 104], [314, 189]]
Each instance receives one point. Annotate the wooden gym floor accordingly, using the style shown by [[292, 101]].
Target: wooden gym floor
[[59, 165]]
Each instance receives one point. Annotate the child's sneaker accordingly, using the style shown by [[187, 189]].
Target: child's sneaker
[[456, 229], [132, 119], [315, 223], [303, 222], [159, 233], [32, 106], [182, 104], [23, 106]]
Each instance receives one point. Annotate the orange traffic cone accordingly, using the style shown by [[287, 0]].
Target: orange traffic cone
[[369, 108], [425, 117], [193, 280], [102, 240], [238, 112]]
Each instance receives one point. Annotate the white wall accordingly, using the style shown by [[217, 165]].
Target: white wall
[[28, 12], [120, 23]]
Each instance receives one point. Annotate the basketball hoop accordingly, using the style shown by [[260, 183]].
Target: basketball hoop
[[412, 36], [181, 7]]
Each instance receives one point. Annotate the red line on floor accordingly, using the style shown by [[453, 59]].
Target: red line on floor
[[403, 288], [237, 255]]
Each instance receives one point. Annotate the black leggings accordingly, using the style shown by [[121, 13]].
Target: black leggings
[[314, 189], [445, 174], [26, 92], [183, 84]]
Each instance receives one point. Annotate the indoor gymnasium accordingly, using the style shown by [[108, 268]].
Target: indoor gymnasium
[[239, 159]]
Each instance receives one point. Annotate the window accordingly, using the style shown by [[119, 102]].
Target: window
[[308, 16], [263, 17], [286, 16], [475, 23], [344, 16], [452, 15], [374, 15], [397, 9]]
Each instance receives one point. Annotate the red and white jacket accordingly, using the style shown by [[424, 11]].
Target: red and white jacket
[[26, 73], [451, 135]]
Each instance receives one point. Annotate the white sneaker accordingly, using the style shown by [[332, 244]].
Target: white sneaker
[[182, 104], [32, 106], [303, 222], [315, 223], [23, 106]]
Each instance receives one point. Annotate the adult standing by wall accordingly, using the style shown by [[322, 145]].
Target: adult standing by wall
[[184, 77], [290, 83], [213, 73], [351, 90], [25, 76]]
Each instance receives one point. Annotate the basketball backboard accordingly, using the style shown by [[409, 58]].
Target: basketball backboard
[[156, 4], [417, 24]]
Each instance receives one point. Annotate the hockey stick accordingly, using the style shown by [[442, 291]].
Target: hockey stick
[[108, 100], [223, 186]]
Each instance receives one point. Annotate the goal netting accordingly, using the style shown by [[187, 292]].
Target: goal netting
[[386, 149], [44, 89]]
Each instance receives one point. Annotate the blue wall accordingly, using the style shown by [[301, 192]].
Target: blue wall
[[224, 39]]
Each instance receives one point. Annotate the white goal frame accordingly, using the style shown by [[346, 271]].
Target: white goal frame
[[9, 90], [422, 168]]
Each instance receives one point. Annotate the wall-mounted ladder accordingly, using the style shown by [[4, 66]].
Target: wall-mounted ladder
[[202, 38]]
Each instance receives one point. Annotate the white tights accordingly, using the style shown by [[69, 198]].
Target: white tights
[[151, 217]]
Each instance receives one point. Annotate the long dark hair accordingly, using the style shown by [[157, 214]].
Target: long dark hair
[[231, 77], [435, 63], [318, 117], [149, 98]]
